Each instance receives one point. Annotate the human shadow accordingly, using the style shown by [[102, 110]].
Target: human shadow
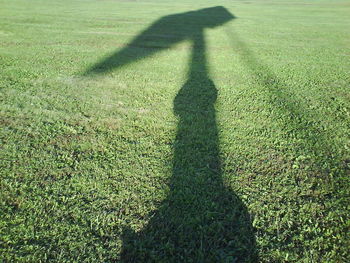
[[201, 220]]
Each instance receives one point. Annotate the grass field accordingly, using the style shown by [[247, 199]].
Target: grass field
[[175, 131]]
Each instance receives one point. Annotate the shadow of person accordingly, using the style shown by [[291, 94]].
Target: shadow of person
[[201, 220]]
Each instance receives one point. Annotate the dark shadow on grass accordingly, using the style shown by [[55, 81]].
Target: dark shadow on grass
[[201, 220]]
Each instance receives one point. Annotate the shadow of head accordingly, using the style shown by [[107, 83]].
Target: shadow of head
[[203, 18], [163, 34]]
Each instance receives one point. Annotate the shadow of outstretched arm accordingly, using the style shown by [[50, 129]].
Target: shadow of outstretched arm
[[161, 35]]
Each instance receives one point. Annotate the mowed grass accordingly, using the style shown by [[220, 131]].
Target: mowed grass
[[96, 165]]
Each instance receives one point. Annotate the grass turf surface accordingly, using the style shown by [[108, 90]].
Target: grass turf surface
[[136, 131]]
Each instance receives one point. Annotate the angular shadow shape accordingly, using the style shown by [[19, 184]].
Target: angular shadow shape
[[201, 220], [163, 34]]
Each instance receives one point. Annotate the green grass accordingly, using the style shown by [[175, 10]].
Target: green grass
[[131, 135]]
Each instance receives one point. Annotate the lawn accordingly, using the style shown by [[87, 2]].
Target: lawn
[[174, 131]]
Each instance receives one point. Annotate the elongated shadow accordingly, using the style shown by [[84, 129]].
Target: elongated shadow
[[201, 220]]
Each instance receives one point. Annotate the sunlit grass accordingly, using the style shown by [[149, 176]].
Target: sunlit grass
[[86, 158]]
